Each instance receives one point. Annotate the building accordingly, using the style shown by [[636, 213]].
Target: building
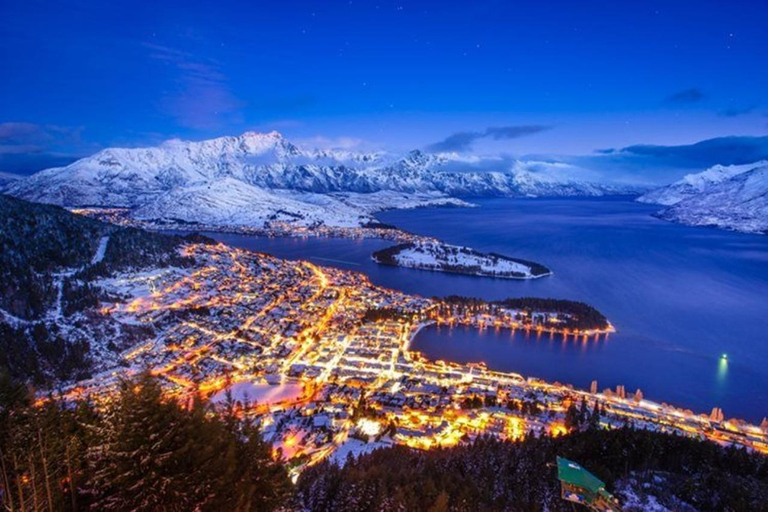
[[580, 486]]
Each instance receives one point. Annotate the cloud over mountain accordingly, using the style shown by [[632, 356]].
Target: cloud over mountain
[[463, 141], [652, 163], [28, 147], [732, 150]]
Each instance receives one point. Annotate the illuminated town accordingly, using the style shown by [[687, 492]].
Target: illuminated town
[[320, 358]]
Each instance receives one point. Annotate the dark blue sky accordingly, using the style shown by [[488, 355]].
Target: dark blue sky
[[565, 77]]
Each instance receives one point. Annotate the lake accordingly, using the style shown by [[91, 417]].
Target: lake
[[680, 297]]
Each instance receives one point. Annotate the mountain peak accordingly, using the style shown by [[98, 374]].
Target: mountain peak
[[251, 135], [268, 161]]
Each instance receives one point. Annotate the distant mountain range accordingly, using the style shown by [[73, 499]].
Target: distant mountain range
[[731, 197], [255, 178]]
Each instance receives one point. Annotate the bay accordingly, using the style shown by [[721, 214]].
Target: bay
[[680, 297]]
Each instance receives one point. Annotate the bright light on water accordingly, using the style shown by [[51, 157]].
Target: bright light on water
[[722, 369]]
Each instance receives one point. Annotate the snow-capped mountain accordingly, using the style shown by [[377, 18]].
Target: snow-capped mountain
[[695, 184], [732, 197], [231, 202], [255, 176]]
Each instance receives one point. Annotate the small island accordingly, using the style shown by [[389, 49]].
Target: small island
[[411, 250], [436, 256]]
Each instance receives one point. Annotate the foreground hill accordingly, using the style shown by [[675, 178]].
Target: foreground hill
[[731, 197], [255, 176], [645, 470], [145, 451]]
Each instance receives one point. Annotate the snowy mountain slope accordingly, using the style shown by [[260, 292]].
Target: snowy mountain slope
[[266, 175], [232, 202], [695, 184], [739, 203], [6, 178], [127, 177], [386, 199]]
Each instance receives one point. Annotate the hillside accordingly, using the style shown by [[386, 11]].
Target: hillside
[[48, 258], [644, 470], [694, 184], [733, 197]]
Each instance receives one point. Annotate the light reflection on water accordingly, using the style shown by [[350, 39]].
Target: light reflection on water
[[722, 370]]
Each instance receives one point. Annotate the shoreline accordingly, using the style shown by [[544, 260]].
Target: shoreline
[[369, 231]]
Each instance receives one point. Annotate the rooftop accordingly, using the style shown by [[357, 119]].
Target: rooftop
[[572, 473]]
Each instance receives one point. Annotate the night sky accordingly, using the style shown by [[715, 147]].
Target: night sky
[[576, 80]]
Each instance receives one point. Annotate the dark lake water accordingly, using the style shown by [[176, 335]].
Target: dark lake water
[[680, 297]]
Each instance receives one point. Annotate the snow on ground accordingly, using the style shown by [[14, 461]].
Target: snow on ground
[[13, 320], [260, 393], [388, 200], [632, 502], [435, 255], [100, 250], [141, 284], [694, 184], [739, 203], [355, 448], [641, 495], [731, 197], [256, 178], [135, 177], [232, 202]]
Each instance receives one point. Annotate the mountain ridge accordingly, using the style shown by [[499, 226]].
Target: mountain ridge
[[275, 175], [731, 197]]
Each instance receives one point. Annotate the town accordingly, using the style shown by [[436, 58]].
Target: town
[[320, 358]]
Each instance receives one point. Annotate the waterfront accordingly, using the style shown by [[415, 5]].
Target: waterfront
[[325, 355], [680, 297]]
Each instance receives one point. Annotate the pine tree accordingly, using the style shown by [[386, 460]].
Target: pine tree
[[571, 417], [594, 418], [41, 452], [160, 456]]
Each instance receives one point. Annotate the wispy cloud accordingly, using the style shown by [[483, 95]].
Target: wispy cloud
[[662, 164], [686, 97], [463, 141], [736, 111], [28, 147], [720, 150], [202, 99], [22, 137]]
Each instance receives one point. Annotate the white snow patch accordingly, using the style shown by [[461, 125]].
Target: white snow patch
[[100, 250], [355, 448], [260, 393]]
